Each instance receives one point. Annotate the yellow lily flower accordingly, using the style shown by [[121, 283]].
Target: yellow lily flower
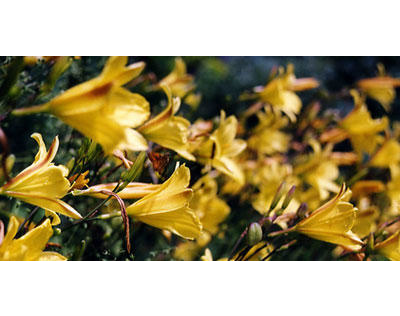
[[381, 88], [30, 246], [168, 130], [393, 190], [168, 206], [363, 130], [210, 209], [279, 92], [181, 83], [365, 222], [319, 170], [220, 149], [266, 137], [270, 177], [101, 109], [332, 222], [43, 184], [387, 155], [390, 247]]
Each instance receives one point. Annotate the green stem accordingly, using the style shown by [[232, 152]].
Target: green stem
[[11, 78]]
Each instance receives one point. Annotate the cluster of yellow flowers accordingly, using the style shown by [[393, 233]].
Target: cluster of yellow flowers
[[285, 166]]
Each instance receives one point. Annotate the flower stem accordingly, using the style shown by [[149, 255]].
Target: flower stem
[[31, 110]]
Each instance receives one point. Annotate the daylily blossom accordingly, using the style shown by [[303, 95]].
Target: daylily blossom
[[181, 83], [210, 209], [101, 109], [381, 88], [168, 206], [168, 130], [332, 222], [390, 247], [165, 206], [43, 184], [30, 246], [362, 128], [319, 170], [279, 92], [267, 137], [387, 155], [220, 149]]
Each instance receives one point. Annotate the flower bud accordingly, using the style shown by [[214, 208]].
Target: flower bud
[[370, 242], [302, 210], [278, 195], [288, 198], [254, 235]]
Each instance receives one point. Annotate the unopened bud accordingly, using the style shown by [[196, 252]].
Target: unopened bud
[[370, 242], [302, 210], [278, 195], [254, 235], [288, 198]]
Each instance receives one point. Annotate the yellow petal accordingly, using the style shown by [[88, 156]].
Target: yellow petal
[[168, 207], [129, 109], [134, 190], [12, 230], [42, 161], [332, 222], [390, 248], [182, 222], [51, 256], [30, 246], [168, 130], [115, 70]]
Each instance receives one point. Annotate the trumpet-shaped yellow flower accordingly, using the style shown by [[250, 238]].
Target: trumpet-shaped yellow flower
[[319, 170], [363, 130], [365, 222], [181, 83], [270, 177], [333, 222], [168, 206], [390, 247], [210, 209], [168, 130], [43, 184], [393, 190], [221, 148], [266, 137], [30, 246], [101, 109], [387, 155], [279, 92], [381, 88]]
